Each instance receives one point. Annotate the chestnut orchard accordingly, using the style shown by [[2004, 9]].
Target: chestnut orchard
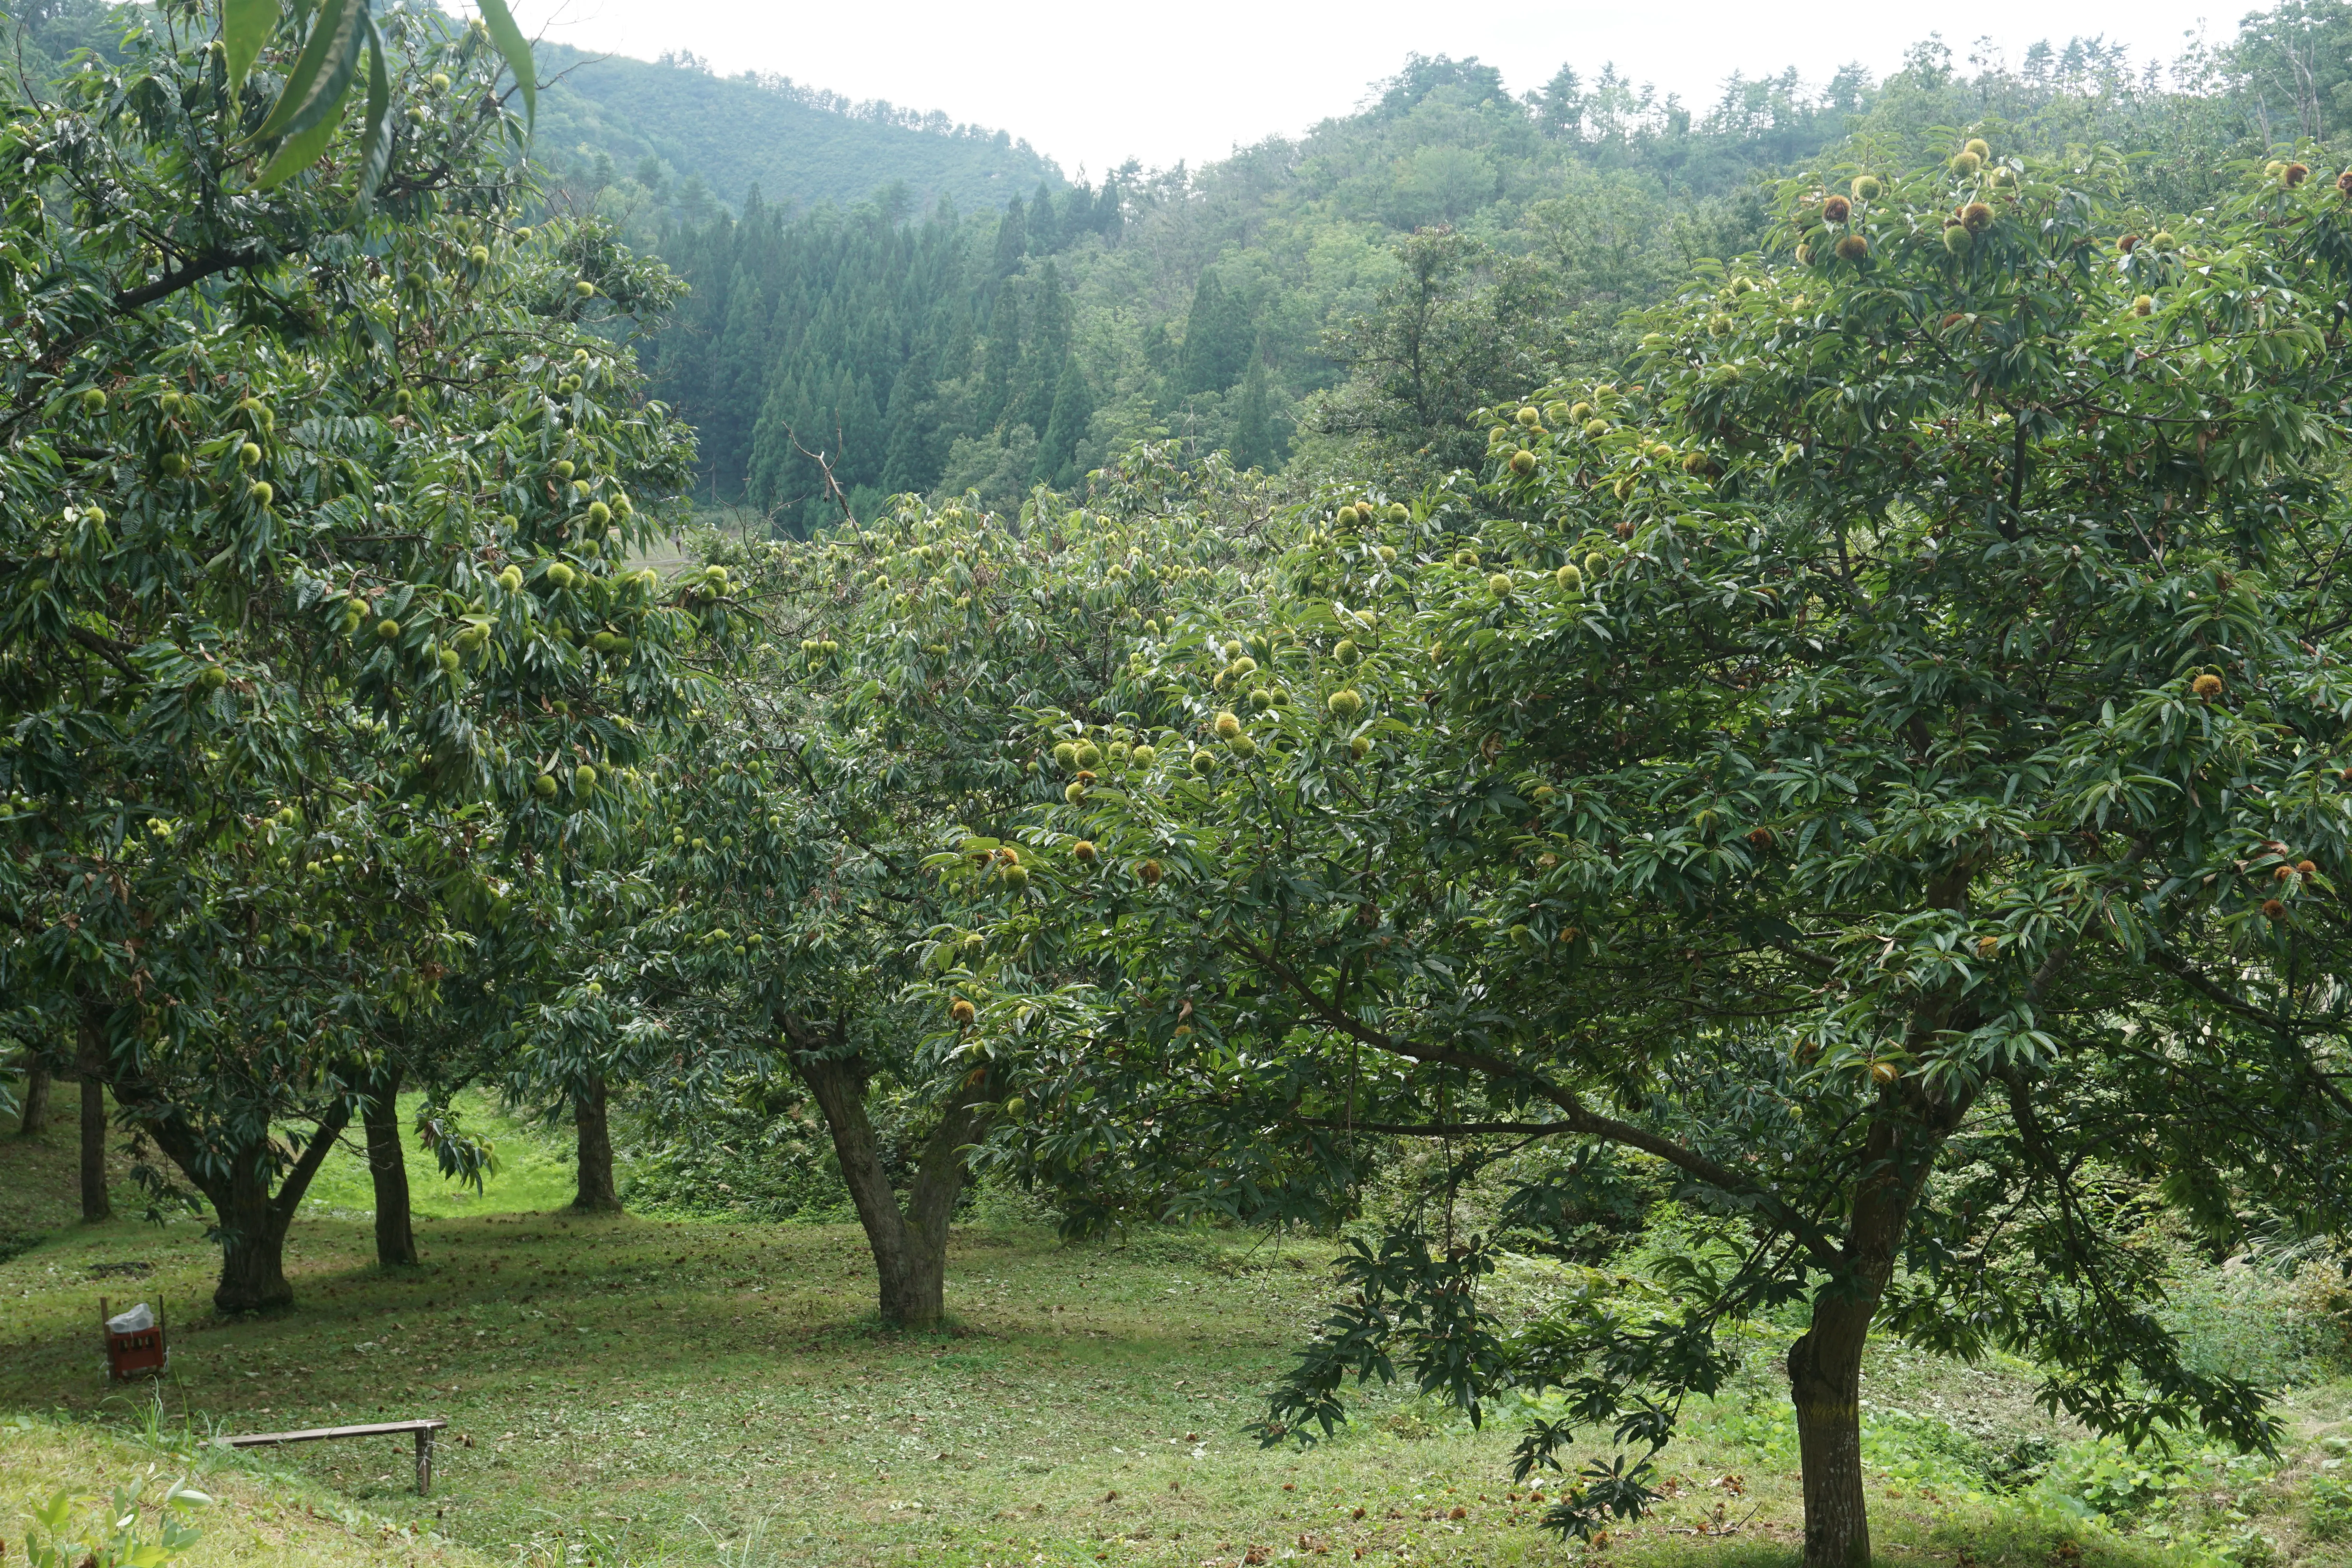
[[919, 667], [315, 657], [1884, 763]]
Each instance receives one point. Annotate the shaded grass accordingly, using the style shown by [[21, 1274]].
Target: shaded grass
[[694, 1391], [40, 1176]]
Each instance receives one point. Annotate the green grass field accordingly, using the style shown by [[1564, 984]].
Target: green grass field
[[634, 1391]]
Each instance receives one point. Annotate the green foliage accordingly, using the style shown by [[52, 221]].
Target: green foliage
[[1902, 677], [111, 1534], [315, 527]]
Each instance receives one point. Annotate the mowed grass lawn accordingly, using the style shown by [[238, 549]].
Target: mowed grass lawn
[[630, 1390]]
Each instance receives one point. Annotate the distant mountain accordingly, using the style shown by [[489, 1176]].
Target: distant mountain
[[800, 146]]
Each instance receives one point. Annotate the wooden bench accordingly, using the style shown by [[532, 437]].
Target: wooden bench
[[423, 1430]]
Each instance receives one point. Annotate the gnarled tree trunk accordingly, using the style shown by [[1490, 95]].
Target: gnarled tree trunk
[[395, 1232], [37, 1099], [252, 1220], [1825, 1380], [91, 1065], [909, 1243], [596, 1193], [95, 1203]]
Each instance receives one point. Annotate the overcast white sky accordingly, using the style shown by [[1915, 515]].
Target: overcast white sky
[[1091, 84]]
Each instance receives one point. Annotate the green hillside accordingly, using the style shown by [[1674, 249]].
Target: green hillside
[[712, 139], [1342, 296]]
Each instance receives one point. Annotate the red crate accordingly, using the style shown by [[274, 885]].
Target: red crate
[[128, 1354]]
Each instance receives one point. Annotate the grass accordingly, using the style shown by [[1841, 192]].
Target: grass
[[536, 1169], [634, 1390]]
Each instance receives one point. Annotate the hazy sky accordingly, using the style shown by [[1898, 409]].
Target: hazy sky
[[1092, 84]]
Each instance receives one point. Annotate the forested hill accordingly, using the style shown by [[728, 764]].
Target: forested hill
[[696, 141], [1341, 300], [674, 141]]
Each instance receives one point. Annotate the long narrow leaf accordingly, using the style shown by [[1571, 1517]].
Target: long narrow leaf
[[296, 153], [321, 73], [517, 51], [245, 27], [375, 142]]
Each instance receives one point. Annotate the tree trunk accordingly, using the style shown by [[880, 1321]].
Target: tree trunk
[[910, 1244], [91, 1064], [37, 1099], [251, 1221], [1825, 1380], [395, 1233], [95, 1202], [254, 1221], [597, 1193]]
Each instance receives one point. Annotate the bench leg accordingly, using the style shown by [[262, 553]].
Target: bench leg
[[425, 1462]]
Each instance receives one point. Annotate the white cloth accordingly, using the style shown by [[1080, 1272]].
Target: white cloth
[[131, 1322]]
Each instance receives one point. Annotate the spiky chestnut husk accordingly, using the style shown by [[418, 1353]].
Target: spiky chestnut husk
[[1261, 700], [2161, 240], [1529, 416], [963, 1013], [1959, 241], [1346, 704], [385, 630], [1228, 726], [1579, 412], [1144, 756], [2144, 306], [1853, 248], [1016, 877], [1243, 747], [1399, 512], [2004, 177], [2283, 874], [1976, 218], [1595, 428], [1569, 578], [1347, 517], [1205, 763], [1978, 145], [2294, 174], [450, 658], [1067, 755], [1523, 462], [1804, 256], [1595, 563], [2127, 244], [544, 786], [1966, 162], [1149, 873], [1865, 187], [1837, 209], [1761, 837], [599, 514], [2344, 184], [1084, 852], [1232, 648], [1076, 793], [583, 778], [2273, 909], [2207, 686], [258, 493], [1499, 585], [1345, 651], [559, 574], [1088, 755], [211, 677], [2307, 868]]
